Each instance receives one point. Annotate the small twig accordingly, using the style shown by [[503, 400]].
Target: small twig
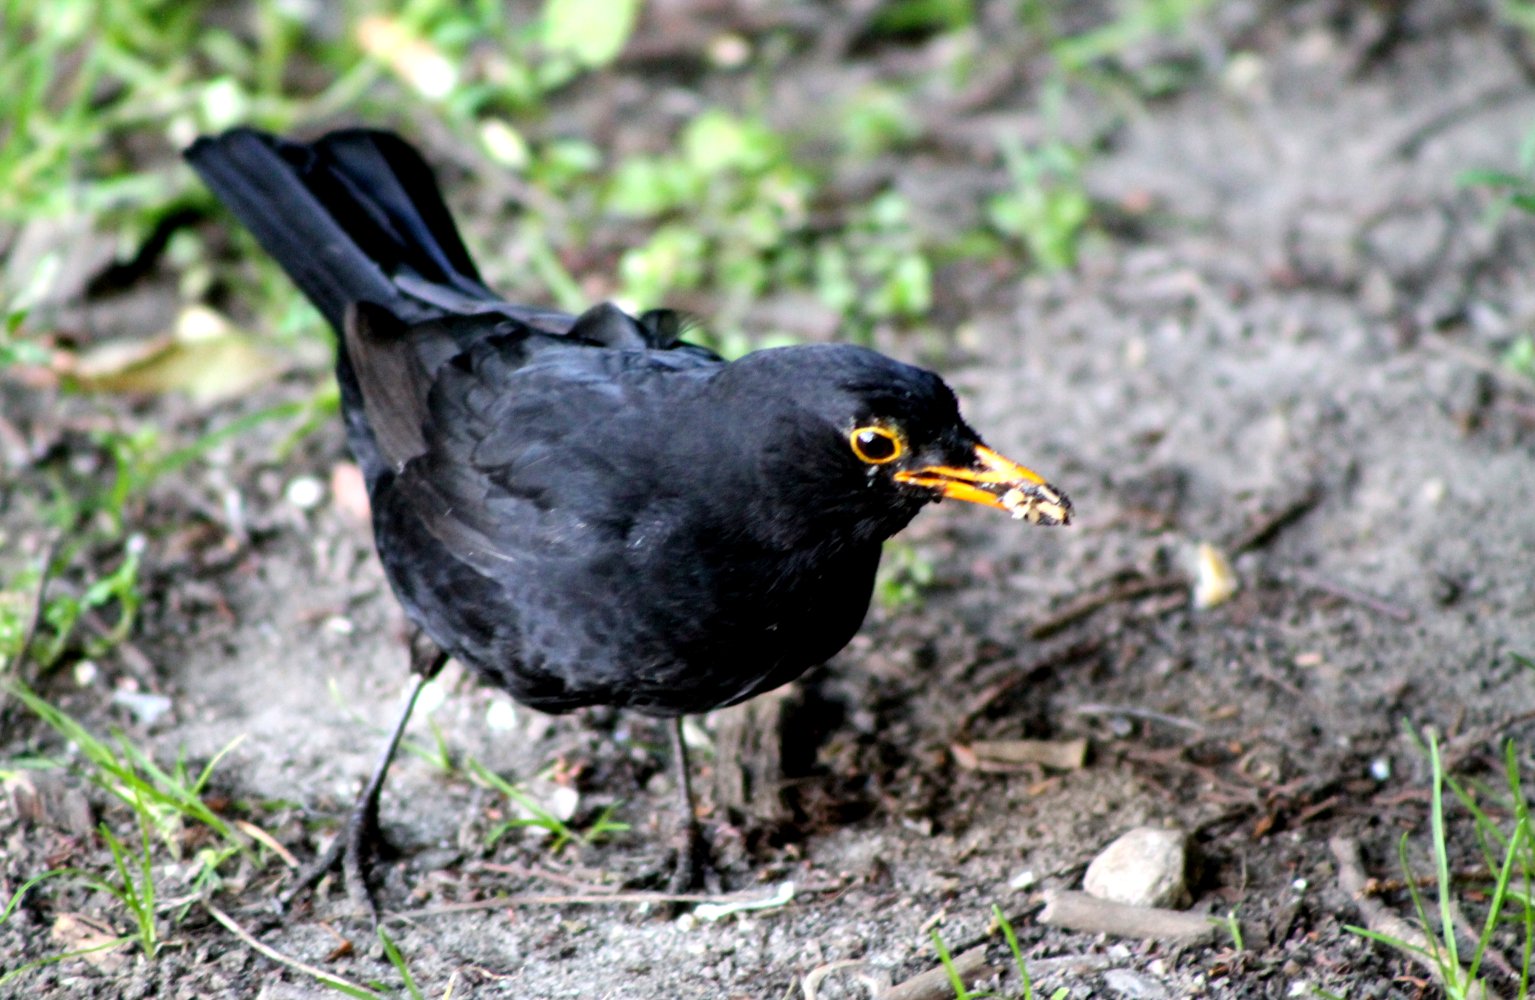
[[1490, 955], [1352, 880], [1041, 969], [314, 971], [1085, 605], [934, 984], [1080, 912], [268, 841], [1016, 678], [558, 878], [1267, 526], [1391, 886], [1454, 116], [1508, 377], [577, 899], [1136, 712], [1318, 582], [1458, 748], [1316, 809]]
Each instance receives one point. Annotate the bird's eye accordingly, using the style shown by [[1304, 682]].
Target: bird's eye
[[876, 445]]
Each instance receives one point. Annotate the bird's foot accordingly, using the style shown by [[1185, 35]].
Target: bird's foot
[[354, 851], [690, 860]]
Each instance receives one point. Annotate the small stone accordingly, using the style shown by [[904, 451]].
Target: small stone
[[1144, 867], [1136, 985], [501, 716], [339, 625], [146, 708], [86, 673], [1023, 880], [305, 492]]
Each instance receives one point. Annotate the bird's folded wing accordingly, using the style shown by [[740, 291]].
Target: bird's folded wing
[[537, 448]]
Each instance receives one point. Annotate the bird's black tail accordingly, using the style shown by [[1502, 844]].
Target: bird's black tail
[[355, 216]]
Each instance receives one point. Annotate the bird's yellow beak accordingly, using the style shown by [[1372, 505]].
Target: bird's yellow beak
[[994, 481]]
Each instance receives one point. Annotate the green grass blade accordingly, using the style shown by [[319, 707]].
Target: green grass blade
[[1499, 893], [29, 884], [961, 992], [1442, 860], [1017, 952], [398, 961]]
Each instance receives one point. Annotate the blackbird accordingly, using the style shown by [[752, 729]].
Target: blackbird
[[589, 510]]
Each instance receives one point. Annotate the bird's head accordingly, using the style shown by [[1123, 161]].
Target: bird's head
[[853, 431]]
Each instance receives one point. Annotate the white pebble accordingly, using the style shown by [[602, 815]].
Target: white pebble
[[305, 492], [501, 716]]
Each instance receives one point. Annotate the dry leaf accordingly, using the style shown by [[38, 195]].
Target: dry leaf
[[205, 357]]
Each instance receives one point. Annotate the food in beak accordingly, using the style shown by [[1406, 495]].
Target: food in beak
[[994, 481]]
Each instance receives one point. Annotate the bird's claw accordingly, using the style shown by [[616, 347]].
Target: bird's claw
[[354, 851]]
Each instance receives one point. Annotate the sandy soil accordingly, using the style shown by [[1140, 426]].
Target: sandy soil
[[1295, 312]]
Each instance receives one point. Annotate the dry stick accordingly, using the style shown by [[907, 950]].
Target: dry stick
[[1416, 946], [1318, 582], [1456, 749], [1490, 955], [1456, 115], [555, 899], [1025, 675], [1083, 606], [586, 886], [1136, 712], [1481, 362], [934, 984], [259, 835], [329, 978], [1043, 969], [1266, 527], [1080, 912]]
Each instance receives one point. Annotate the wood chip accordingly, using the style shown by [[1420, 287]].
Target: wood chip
[[1078, 911], [934, 984], [1019, 755]]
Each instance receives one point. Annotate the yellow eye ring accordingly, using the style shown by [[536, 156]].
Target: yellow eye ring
[[876, 445]]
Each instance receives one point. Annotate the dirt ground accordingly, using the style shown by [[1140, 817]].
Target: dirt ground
[[1285, 342]]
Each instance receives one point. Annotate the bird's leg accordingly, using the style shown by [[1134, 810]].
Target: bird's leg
[[357, 847], [686, 839]]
